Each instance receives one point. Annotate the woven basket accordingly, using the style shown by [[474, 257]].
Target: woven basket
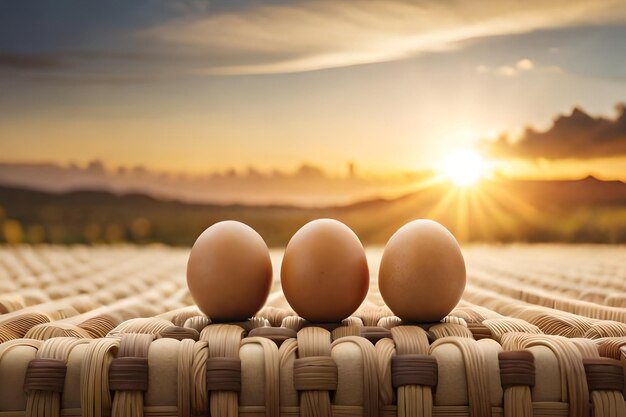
[[111, 331]]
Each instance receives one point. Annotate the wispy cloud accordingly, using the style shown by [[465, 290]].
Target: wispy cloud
[[198, 37], [522, 66], [321, 34]]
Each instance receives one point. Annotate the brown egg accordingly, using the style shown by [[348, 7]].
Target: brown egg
[[324, 273], [229, 272], [422, 272]]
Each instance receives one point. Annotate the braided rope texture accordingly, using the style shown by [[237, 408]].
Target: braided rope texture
[[111, 331]]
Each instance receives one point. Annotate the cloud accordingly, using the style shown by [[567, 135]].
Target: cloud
[[524, 65], [29, 61], [574, 136], [197, 37], [84, 67], [506, 71], [320, 34]]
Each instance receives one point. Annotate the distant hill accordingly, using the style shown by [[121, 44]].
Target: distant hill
[[308, 185], [587, 210]]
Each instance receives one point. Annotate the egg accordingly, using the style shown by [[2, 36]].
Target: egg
[[324, 273], [422, 272], [229, 272]]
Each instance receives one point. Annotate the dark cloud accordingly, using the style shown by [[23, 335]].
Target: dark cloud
[[29, 61], [87, 66], [576, 136]]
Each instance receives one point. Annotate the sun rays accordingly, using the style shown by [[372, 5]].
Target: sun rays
[[475, 206]]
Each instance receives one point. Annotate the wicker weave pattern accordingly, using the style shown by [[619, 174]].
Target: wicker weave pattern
[[531, 337]]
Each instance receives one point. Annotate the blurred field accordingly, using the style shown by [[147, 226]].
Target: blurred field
[[588, 210]]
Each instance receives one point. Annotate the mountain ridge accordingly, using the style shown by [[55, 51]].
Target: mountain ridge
[[588, 180], [588, 209]]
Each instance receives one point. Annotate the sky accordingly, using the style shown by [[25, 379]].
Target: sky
[[200, 87]]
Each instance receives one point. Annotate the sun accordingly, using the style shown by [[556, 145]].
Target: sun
[[463, 167]]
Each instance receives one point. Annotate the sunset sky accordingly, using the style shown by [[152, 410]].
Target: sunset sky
[[200, 86]]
